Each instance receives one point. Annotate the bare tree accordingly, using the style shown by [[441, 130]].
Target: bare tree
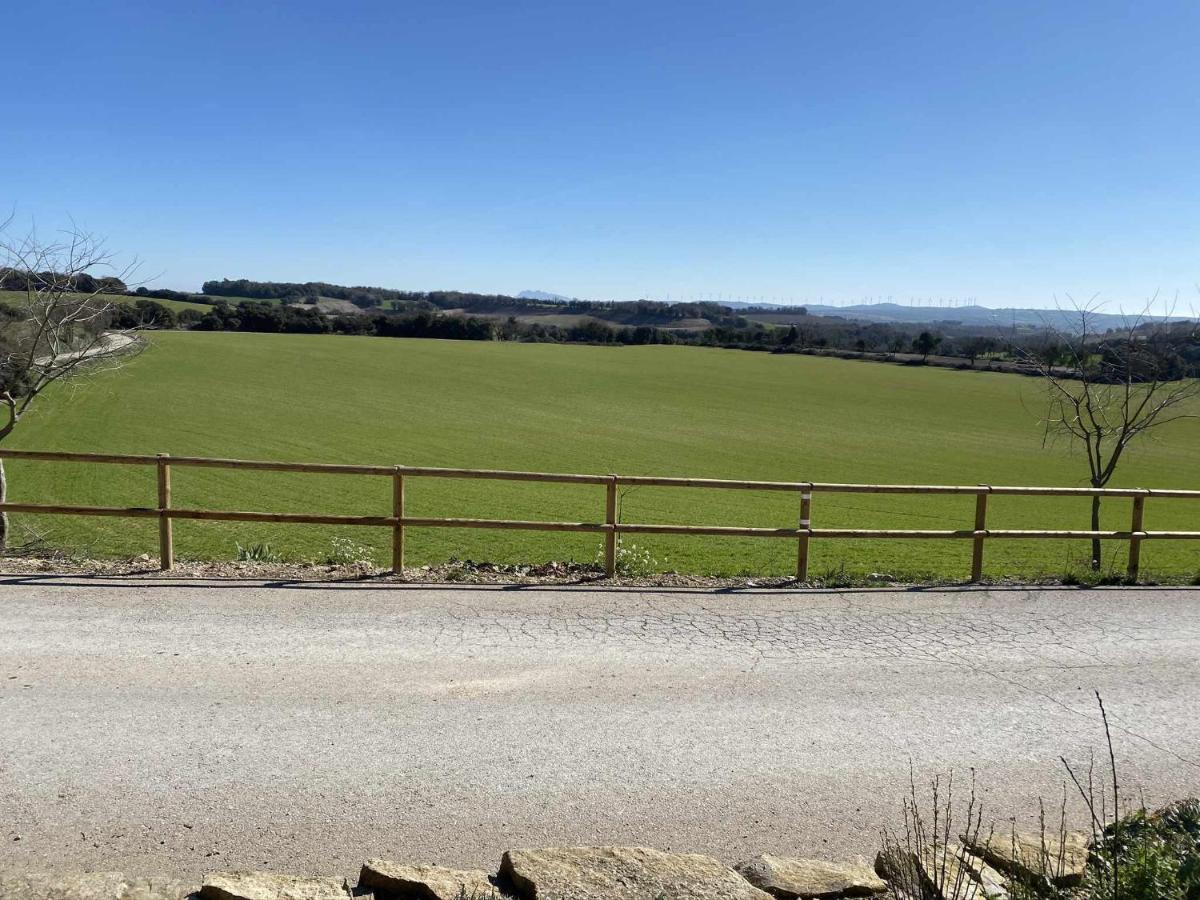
[[58, 328], [1104, 391]]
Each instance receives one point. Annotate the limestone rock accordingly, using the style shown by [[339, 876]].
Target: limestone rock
[[1022, 854], [945, 874], [393, 880], [621, 873], [899, 870], [992, 885], [271, 886], [92, 886], [790, 878], [953, 873]]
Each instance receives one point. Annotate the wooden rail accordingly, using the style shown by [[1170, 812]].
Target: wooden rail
[[610, 528]]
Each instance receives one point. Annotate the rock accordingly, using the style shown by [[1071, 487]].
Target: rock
[[393, 880], [1021, 854], [92, 886], [900, 872], [790, 878], [159, 889], [951, 874], [621, 873], [954, 872], [992, 885], [271, 886]]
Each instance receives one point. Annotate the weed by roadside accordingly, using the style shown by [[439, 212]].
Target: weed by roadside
[[1130, 855], [257, 553], [344, 551], [1090, 578], [633, 561]]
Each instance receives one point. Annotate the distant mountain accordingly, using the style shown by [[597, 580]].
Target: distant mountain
[[543, 296], [1064, 320]]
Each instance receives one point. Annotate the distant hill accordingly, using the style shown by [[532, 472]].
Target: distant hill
[[968, 316], [1064, 320], [745, 304], [544, 296], [332, 298]]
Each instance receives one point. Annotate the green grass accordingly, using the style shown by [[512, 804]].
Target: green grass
[[13, 298], [634, 410]]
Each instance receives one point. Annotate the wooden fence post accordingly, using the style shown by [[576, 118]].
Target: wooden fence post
[[610, 519], [397, 529], [805, 533], [1135, 539], [981, 501], [166, 539]]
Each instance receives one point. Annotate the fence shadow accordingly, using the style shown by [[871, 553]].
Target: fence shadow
[[369, 583]]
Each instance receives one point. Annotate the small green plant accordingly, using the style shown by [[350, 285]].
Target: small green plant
[[346, 552], [1088, 578], [633, 561], [257, 553], [1133, 856], [835, 578]]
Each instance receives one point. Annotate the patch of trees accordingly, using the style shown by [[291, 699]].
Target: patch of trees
[[142, 313], [12, 279], [636, 312], [167, 294], [260, 316], [265, 317], [633, 312], [310, 291]]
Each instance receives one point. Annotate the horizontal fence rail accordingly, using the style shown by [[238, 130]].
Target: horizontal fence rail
[[610, 528]]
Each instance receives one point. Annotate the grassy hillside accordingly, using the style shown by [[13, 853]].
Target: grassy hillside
[[634, 410], [13, 298]]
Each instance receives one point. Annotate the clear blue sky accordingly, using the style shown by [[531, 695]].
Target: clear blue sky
[[1005, 151]]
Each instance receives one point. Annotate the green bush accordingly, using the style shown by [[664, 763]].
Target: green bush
[[259, 553]]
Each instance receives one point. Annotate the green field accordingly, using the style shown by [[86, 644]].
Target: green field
[[633, 410], [13, 298]]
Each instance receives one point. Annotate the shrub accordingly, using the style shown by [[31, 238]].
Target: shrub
[[346, 552], [258, 553], [633, 561], [1136, 856]]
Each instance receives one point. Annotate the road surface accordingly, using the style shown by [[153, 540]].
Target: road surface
[[109, 344], [174, 726]]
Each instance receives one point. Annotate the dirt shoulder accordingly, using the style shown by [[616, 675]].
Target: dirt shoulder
[[484, 573]]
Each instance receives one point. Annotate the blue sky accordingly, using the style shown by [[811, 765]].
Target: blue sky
[[1004, 151]]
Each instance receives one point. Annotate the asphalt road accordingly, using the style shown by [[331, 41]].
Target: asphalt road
[[181, 727]]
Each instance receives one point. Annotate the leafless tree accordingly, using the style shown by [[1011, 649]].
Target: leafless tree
[[58, 327], [1104, 391]]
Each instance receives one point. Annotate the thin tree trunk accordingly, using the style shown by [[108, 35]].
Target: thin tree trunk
[[3, 515], [1096, 527]]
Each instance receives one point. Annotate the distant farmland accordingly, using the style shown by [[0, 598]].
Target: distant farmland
[[634, 410]]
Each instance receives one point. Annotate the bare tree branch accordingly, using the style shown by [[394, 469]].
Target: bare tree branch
[[1117, 386], [60, 329]]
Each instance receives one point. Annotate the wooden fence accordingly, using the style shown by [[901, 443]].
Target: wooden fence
[[610, 528]]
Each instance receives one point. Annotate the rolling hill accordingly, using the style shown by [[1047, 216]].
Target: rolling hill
[[635, 410]]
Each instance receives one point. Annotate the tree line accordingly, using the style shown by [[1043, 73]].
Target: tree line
[[1175, 348], [633, 312], [289, 307]]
